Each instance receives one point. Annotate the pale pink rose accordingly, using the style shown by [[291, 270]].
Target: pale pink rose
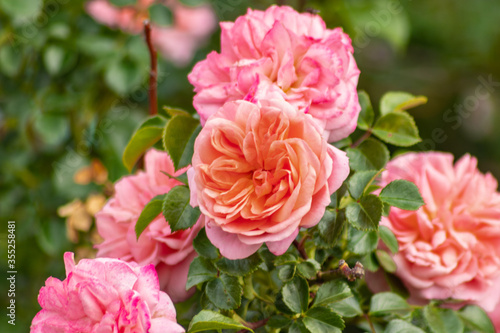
[[171, 253], [495, 317], [178, 42], [279, 52], [450, 247], [260, 172], [104, 295]]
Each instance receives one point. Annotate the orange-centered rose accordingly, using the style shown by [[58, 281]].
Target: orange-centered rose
[[259, 173]]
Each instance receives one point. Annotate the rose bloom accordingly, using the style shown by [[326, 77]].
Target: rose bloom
[[104, 295], [279, 52], [171, 253], [450, 247], [495, 317], [260, 172], [178, 42]]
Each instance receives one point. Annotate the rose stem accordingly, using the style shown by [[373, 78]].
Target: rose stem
[[153, 73], [362, 138], [300, 248]]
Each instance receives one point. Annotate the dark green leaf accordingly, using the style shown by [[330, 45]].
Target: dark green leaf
[[398, 101], [200, 270], [366, 115], [144, 137], [396, 285], [370, 262], [397, 128], [209, 320], [388, 238], [287, 258], [386, 303], [309, 268], [225, 292], [359, 181], [286, 272], [371, 154], [322, 319], [402, 194], [204, 247], [442, 320], [296, 294], [400, 326], [331, 225], [122, 3], [348, 307], [476, 318], [386, 261], [239, 267], [177, 210], [366, 213], [123, 76], [10, 60], [331, 292], [160, 15], [148, 214], [361, 241], [178, 139], [298, 327], [279, 321]]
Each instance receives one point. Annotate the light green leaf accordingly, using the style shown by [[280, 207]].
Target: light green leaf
[[144, 137], [348, 307], [386, 261], [296, 294], [322, 319], [177, 210], [21, 9], [399, 101], [225, 292], [161, 15], [53, 58], [122, 3], [209, 320], [239, 267], [152, 209], [361, 241], [359, 182], [386, 303], [123, 76], [442, 320], [331, 292], [308, 268], [402, 194], [476, 318], [397, 128], [204, 247], [388, 238], [365, 214], [366, 115], [200, 270], [10, 60], [371, 154], [399, 326], [178, 139]]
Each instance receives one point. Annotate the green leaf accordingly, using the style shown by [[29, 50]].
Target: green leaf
[[144, 137], [442, 320], [193, 3], [286, 258], [10, 60], [279, 321], [161, 15], [397, 128], [331, 292], [399, 326], [348, 307], [359, 182], [386, 261], [366, 213], [22, 9], [361, 241], [399, 101], [209, 320], [308, 268], [331, 225], [53, 58], [224, 292], [296, 294], [178, 139], [388, 238], [204, 247], [177, 210], [123, 75], [286, 272], [239, 267], [172, 112], [200, 270], [476, 318], [298, 327], [396, 285], [366, 115], [402, 194], [122, 3], [152, 209], [371, 154], [386, 303], [322, 319]]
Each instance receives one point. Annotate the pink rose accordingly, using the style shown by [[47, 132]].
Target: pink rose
[[171, 253], [104, 295], [495, 317], [450, 247], [279, 52], [260, 172]]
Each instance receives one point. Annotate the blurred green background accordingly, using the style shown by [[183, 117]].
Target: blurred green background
[[73, 91]]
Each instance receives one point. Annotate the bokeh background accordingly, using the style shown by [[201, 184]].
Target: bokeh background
[[72, 91]]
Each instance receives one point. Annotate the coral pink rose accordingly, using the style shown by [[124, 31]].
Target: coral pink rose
[[450, 247], [260, 172], [279, 52], [171, 253], [178, 42], [104, 295]]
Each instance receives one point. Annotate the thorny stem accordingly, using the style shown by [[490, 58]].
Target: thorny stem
[[357, 272], [300, 248], [362, 138], [153, 73]]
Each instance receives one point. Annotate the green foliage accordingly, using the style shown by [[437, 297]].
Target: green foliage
[[394, 101], [296, 294], [161, 15], [332, 292], [209, 320], [177, 210], [476, 319], [397, 128], [365, 213], [331, 225], [224, 292], [442, 320], [152, 209], [402, 194], [366, 115], [387, 303], [200, 270], [398, 325], [203, 247], [178, 139], [358, 182], [362, 242], [322, 319], [371, 154], [386, 261], [239, 267], [388, 238]]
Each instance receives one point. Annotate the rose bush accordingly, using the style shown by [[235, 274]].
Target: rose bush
[[260, 172], [169, 252], [104, 295], [281, 53], [450, 247]]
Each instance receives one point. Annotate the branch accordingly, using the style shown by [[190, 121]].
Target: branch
[[300, 248], [153, 73], [365, 136], [357, 272]]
